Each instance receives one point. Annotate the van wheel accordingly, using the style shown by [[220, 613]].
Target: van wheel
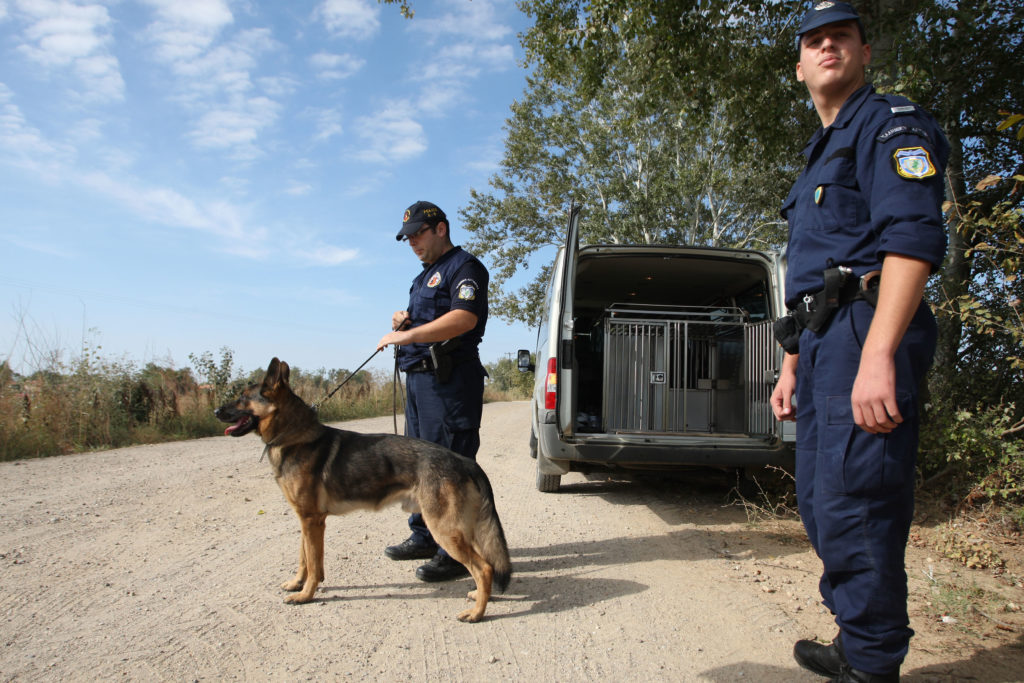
[[547, 483], [533, 444]]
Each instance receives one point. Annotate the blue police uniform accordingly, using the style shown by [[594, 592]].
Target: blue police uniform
[[873, 184], [447, 413]]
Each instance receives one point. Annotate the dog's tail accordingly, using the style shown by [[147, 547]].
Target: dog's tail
[[491, 537]]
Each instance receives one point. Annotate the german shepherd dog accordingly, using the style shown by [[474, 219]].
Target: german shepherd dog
[[325, 471]]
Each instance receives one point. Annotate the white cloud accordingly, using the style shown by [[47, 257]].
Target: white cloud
[[328, 124], [367, 183], [358, 19], [335, 67], [390, 135], [297, 189], [475, 21], [467, 42], [25, 146], [62, 34], [326, 255], [236, 126], [184, 29], [214, 81]]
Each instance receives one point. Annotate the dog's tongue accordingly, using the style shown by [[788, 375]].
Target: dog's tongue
[[235, 426]]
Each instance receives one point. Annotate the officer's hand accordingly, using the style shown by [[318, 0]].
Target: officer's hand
[[400, 320], [873, 398], [392, 339], [782, 398]]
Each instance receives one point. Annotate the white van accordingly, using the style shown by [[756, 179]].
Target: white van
[[656, 357]]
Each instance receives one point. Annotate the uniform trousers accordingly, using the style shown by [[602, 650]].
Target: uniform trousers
[[447, 414], [855, 490]]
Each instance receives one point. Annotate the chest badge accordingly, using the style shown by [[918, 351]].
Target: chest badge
[[435, 280], [819, 194], [913, 163]]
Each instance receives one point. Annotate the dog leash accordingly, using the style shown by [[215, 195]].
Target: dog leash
[[316, 406]]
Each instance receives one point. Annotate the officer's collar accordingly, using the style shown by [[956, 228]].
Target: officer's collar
[[849, 109], [852, 105], [442, 258]]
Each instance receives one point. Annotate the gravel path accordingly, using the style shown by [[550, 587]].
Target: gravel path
[[163, 563]]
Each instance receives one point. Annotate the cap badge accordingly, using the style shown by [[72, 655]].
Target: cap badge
[[824, 5], [913, 163], [406, 216], [819, 193]]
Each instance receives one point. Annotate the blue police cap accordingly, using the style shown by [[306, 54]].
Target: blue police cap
[[418, 215], [828, 12]]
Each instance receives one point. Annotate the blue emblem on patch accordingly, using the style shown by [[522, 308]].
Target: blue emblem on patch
[[913, 163], [467, 290], [819, 192]]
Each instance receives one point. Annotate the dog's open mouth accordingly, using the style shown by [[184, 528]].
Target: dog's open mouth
[[245, 424]]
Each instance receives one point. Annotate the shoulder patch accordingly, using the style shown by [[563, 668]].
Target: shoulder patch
[[913, 163], [467, 290], [903, 109]]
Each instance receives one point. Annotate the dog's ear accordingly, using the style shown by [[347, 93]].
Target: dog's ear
[[277, 372], [273, 373]]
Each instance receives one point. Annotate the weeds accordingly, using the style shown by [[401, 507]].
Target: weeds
[[91, 403]]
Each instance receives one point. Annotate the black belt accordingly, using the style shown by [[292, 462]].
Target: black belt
[[815, 310], [424, 365]]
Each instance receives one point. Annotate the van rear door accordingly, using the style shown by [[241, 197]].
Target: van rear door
[[565, 407]]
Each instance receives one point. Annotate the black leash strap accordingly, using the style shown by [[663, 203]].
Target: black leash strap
[[316, 406]]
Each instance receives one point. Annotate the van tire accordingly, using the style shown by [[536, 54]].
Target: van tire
[[547, 483]]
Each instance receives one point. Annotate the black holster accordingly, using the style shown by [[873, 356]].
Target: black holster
[[787, 333], [441, 355]]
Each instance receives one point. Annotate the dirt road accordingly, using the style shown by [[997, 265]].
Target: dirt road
[[163, 563]]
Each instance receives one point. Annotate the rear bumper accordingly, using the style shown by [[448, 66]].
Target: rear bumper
[[659, 451]]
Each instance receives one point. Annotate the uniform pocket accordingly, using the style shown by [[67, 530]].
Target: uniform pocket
[[837, 201], [432, 303], [843, 470], [862, 464]]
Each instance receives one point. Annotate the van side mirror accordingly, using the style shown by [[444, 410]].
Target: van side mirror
[[523, 361]]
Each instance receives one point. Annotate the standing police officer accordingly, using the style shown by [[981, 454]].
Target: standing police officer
[[437, 341], [868, 201]]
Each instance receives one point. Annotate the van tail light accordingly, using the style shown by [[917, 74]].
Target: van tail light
[[551, 385]]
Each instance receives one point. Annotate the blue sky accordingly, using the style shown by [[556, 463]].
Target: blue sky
[[178, 176]]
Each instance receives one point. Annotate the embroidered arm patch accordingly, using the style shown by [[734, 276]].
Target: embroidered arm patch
[[913, 163], [467, 290]]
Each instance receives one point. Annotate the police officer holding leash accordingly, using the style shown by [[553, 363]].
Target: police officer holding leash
[[437, 341], [865, 232]]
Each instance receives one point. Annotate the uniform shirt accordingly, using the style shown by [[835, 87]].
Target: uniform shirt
[[873, 184], [456, 281]]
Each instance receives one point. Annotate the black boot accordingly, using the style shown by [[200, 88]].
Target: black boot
[[851, 675], [411, 548], [441, 568], [824, 660]]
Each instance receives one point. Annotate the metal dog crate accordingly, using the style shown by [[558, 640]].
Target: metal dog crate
[[686, 370]]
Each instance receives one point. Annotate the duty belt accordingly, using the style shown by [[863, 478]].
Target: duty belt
[[423, 365], [816, 308]]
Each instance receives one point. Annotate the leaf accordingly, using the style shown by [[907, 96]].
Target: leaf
[[1011, 121], [988, 182]]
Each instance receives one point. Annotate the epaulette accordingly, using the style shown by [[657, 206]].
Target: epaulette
[[900, 106]]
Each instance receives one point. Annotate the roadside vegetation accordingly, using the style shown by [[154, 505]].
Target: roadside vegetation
[[92, 403]]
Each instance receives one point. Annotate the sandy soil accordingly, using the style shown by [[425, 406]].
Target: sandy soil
[[163, 563]]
